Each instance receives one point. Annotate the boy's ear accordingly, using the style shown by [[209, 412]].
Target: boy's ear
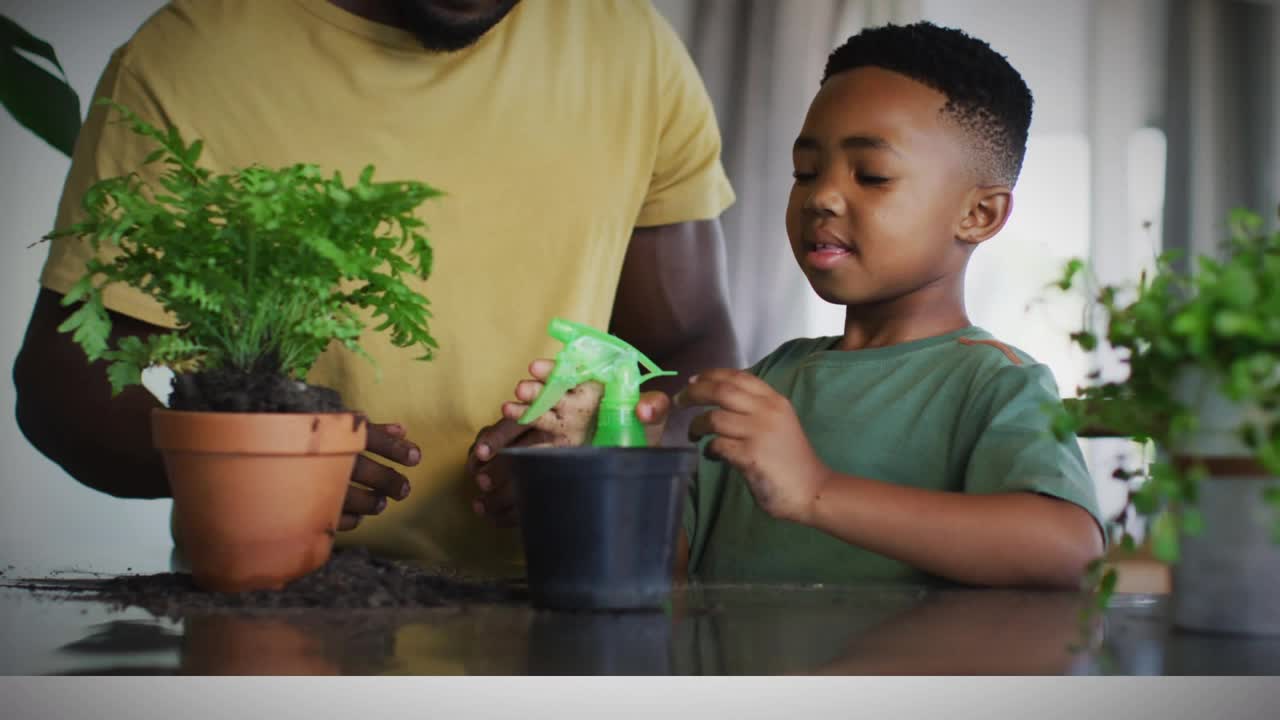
[[987, 211]]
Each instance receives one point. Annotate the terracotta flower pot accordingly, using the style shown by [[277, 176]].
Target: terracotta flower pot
[[257, 496], [222, 644]]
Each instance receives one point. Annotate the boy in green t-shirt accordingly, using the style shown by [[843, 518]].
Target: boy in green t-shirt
[[914, 445]]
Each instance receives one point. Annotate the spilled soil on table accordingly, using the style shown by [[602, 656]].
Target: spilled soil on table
[[351, 579]]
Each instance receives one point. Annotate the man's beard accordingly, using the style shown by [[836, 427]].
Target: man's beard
[[442, 31]]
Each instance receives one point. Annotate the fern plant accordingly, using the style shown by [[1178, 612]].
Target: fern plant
[[257, 267]]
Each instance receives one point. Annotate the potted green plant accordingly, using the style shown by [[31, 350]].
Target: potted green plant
[[260, 270], [1202, 350]]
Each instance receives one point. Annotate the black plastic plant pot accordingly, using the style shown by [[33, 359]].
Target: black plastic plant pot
[[600, 525]]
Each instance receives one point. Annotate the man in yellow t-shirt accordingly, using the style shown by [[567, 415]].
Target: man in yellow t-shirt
[[581, 161]]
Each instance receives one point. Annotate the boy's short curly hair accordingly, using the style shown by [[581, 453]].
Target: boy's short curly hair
[[985, 95]]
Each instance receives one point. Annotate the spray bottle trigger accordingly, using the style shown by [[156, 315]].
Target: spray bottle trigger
[[659, 373]]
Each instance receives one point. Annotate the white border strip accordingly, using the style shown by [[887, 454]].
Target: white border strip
[[537, 698]]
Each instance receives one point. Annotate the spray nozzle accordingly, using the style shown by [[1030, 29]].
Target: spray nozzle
[[590, 354]]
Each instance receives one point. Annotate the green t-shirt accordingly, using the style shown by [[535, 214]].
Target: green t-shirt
[[959, 412]]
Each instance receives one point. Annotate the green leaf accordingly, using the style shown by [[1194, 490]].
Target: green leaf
[[1164, 538], [1107, 588], [1086, 340], [1192, 521], [1231, 323], [1145, 500], [41, 102], [192, 154], [1243, 223], [90, 327], [81, 290], [1187, 323], [1069, 272], [123, 374], [14, 35], [341, 196], [1238, 287]]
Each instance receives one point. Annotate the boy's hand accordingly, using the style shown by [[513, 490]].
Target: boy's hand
[[760, 435]]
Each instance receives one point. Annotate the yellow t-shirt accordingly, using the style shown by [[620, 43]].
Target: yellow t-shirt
[[563, 128]]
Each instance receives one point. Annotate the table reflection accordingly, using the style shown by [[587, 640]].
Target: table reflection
[[754, 630]]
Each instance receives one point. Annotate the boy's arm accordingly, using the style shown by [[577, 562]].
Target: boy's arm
[[998, 538], [1021, 633], [1004, 539]]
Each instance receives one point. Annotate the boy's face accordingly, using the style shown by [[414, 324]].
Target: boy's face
[[882, 182]]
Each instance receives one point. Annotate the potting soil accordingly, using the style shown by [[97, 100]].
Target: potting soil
[[261, 389], [351, 579]]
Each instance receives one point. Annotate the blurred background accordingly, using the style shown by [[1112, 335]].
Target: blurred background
[[1152, 119]]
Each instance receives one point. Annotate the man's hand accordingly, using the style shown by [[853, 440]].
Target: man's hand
[[759, 434], [497, 499], [374, 482], [497, 494]]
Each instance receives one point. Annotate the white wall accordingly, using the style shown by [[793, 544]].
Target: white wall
[[1007, 280], [48, 520]]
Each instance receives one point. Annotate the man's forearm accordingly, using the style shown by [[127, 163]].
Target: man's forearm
[[1006, 539], [672, 304], [109, 451], [66, 410]]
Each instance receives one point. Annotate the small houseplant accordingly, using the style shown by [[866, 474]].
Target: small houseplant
[[1202, 349], [261, 270]]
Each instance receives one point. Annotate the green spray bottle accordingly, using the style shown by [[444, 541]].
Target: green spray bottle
[[590, 354]]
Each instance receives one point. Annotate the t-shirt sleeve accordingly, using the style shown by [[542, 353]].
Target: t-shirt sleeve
[[1016, 449], [105, 148], [688, 182]]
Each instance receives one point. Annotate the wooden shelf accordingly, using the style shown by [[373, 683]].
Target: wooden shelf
[[1139, 571]]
